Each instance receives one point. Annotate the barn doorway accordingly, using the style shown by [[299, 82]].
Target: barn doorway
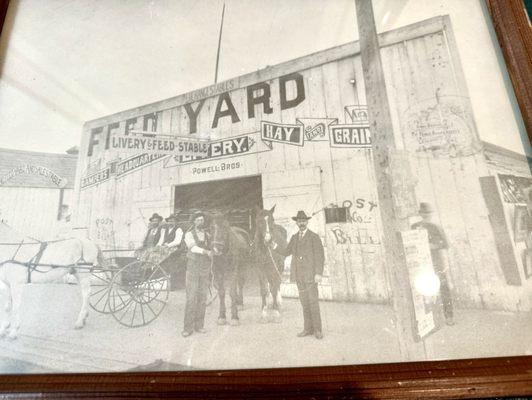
[[238, 197]]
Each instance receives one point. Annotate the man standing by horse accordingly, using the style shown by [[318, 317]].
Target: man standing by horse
[[198, 274], [306, 269]]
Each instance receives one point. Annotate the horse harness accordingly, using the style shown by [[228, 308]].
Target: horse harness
[[34, 262]]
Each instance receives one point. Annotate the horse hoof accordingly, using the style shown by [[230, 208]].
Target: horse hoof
[[234, 322], [79, 326], [222, 321]]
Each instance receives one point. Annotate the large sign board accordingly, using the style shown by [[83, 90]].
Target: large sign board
[[34, 170], [159, 144]]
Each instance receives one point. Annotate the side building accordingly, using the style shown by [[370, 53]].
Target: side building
[[36, 190]]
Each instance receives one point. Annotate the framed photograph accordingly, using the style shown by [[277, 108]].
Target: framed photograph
[[265, 199]]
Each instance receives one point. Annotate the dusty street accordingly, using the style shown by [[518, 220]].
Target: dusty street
[[354, 334]]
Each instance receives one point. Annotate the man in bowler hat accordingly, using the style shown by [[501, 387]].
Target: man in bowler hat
[[306, 269], [439, 245]]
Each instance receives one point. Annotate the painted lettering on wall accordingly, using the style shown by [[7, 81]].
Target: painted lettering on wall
[[95, 178], [34, 170], [281, 133], [138, 161], [104, 231], [223, 166], [229, 147], [350, 136], [357, 236], [356, 115], [442, 125], [158, 144], [316, 129], [258, 95], [357, 211]]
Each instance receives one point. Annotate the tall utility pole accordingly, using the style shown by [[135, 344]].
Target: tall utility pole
[[392, 180], [219, 45]]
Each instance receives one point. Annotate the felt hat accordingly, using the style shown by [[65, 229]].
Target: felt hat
[[173, 216], [196, 214], [156, 217], [425, 208], [301, 215]]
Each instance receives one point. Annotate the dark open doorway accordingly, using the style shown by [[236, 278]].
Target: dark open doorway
[[237, 196]]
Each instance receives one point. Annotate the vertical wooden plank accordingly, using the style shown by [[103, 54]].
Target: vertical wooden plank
[[292, 156]]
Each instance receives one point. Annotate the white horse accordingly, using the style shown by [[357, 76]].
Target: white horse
[[24, 261]]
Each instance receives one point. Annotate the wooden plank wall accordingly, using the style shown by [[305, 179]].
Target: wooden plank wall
[[32, 211], [418, 70], [426, 71]]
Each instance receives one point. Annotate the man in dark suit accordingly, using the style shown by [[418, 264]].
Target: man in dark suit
[[306, 269]]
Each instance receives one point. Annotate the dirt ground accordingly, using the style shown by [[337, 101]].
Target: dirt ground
[[353, 334]]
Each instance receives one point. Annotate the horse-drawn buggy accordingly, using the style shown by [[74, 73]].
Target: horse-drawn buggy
[[134, 289]]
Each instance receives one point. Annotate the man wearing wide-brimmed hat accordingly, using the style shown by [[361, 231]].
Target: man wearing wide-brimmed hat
[[154, 235], [152, 240], [197, 276], [439, 245], [306, 269], [173, 234]]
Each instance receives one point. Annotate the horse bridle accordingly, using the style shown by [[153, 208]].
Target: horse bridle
[[33, 262], [216, 243], [266, 244]]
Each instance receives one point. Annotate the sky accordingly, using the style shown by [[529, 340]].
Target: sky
[[64, 62]]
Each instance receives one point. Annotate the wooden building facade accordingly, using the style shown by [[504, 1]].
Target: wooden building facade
[[35, 189], [296, 136]]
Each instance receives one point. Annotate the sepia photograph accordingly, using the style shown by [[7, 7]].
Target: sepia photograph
[[227, 184]]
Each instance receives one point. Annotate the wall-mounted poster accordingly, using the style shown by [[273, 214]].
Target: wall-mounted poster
[[522, 223], [243, 184]]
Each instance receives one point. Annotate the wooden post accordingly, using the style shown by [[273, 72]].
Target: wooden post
[[219, 46], [391, 182]]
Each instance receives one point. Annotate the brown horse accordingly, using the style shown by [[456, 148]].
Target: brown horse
[[270, 264], [230, 246]]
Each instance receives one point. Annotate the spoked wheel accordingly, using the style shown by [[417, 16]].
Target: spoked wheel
[[138, 293], [100, 289]]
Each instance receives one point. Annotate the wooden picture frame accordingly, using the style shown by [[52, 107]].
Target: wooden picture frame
[[469, 378]]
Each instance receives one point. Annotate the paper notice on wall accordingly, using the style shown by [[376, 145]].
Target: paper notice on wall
[[423, 280]]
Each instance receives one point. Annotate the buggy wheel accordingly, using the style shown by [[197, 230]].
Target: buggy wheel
[[138, 293], [100, 289]]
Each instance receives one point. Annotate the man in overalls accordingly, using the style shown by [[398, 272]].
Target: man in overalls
[[198, 275]]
